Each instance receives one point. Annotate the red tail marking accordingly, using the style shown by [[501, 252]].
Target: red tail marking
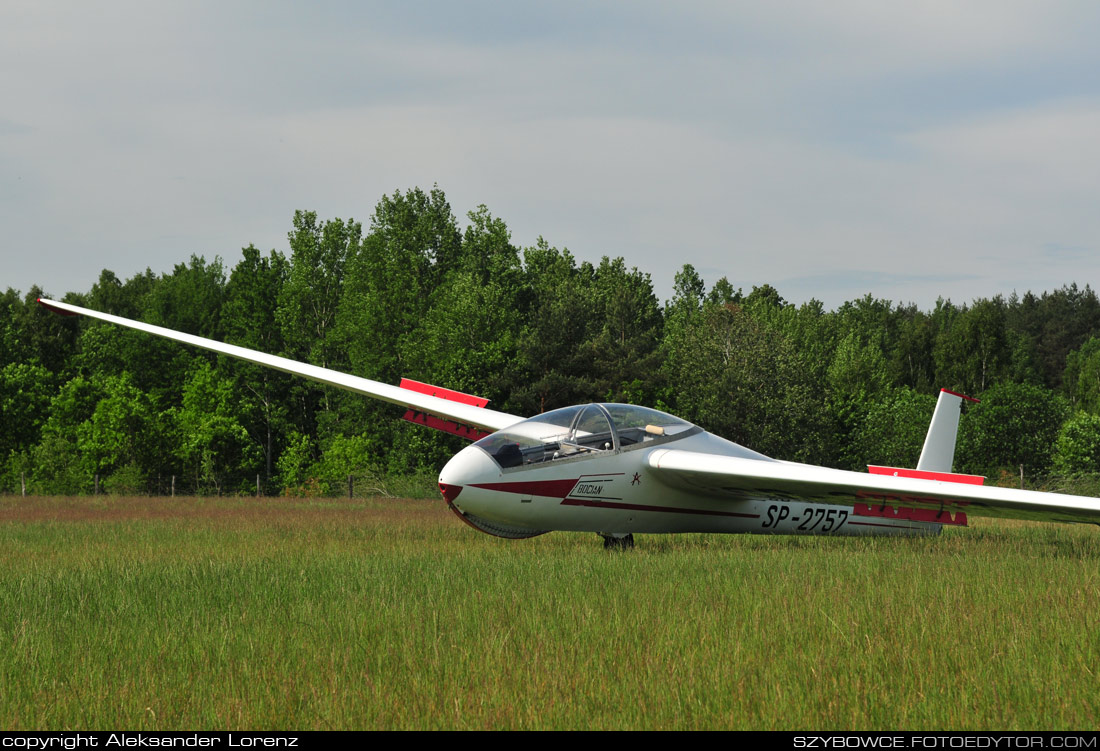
[[921, 474], [964, 396]]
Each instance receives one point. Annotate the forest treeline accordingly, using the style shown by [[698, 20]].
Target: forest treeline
[[417, 295]]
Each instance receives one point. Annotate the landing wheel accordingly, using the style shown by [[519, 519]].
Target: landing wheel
[[618, 542]]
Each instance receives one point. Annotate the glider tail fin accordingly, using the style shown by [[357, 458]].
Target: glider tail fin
[[938, 454]]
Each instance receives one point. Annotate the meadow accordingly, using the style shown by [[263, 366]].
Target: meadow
[[157, 613]]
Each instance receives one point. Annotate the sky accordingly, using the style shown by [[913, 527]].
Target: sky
[[910, 151]]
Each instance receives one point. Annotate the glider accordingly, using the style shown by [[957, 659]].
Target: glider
[[617, 469]]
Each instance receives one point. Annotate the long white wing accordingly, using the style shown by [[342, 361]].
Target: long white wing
[[735, 477], [479, 417]]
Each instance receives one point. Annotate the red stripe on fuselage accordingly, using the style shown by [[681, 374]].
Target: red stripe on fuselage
[[545, 488]]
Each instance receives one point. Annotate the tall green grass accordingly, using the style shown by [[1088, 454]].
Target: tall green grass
[[227, 613]]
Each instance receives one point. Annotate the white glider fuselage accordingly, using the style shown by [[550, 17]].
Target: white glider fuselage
[[610, 486]]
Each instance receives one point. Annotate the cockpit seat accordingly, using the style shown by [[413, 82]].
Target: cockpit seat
[[509, 455]]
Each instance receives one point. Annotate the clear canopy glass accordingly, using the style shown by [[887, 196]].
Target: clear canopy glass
[[583, 430]]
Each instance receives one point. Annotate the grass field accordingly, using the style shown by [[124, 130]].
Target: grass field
[[144, 613]]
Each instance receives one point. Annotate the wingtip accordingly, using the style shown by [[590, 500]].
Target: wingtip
[[52, 306]]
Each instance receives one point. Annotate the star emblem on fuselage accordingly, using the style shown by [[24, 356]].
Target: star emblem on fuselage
[[636, 479]]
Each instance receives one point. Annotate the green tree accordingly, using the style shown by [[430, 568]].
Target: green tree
[[624, 333], [25, 393], [117, 437], [1052, 325], [856, 378], [1081, 382], [741, 379], [56, 461], [911, 359], [1014, 424], [211, 442], [553, 372], [249, 319], [894, 427], [973, 352], [412, 244], [1077, 449]]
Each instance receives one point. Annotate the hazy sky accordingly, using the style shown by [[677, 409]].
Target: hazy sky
[[910, 150]]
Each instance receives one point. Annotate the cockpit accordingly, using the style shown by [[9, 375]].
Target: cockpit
[[581, 431]]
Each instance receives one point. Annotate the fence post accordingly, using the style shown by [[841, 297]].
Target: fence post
[[349, 486], [23, 482], [96, 484], [257, 485], [173, 486], [1021, 477]]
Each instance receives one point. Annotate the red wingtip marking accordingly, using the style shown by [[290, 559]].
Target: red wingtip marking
[[59, 311], [964, 396]]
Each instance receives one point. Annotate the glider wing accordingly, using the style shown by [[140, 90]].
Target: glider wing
[[467, 414], [741, 478]]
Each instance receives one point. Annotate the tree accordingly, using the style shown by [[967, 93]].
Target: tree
[[741, 379], [1014, 424], [412, 243], [249, 319], [856, 377], [118, 435], [552, 371], [1054, 324], [621, 348], [911, 360], [894, 427], [308, 308], [1081, 382], [973, 352], [25, 393], [1077, 449], [210, 440]]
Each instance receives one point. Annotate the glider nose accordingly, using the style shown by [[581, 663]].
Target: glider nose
[[469, 466]]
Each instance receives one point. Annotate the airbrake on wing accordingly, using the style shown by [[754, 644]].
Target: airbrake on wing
[[447, 426]]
